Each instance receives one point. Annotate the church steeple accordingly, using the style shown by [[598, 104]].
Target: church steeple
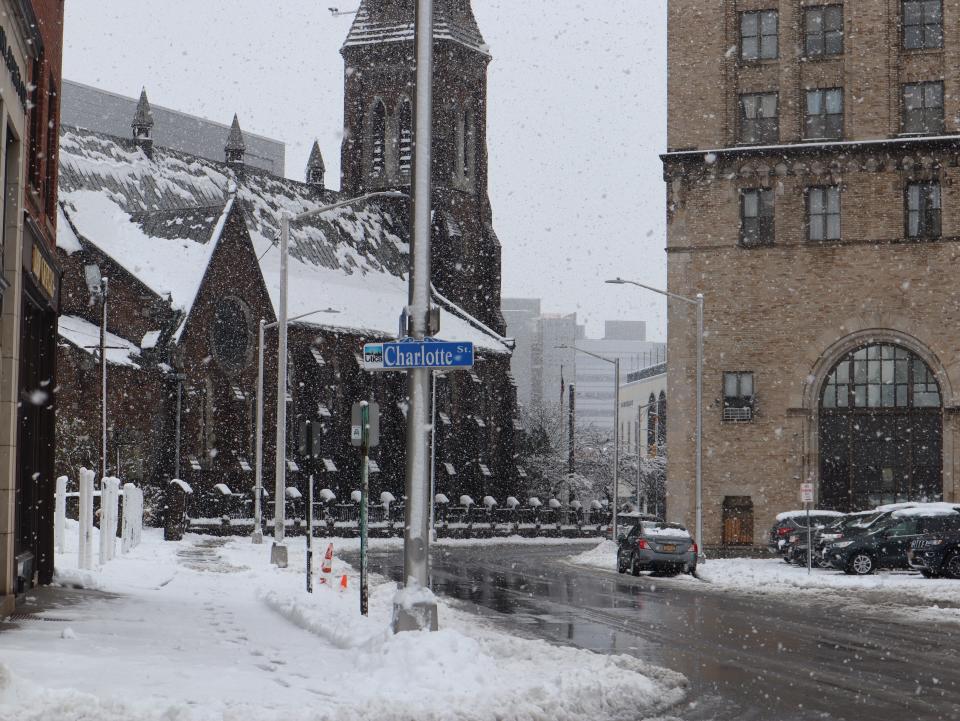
[[142, 124], [316, 170], [235, 148]]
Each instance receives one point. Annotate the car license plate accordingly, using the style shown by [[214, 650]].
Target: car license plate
[[669, 548], [794, 539]]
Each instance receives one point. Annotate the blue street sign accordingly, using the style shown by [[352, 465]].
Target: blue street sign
[[408, 353]]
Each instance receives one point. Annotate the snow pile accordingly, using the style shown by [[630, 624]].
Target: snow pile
[[208, 630], [604, 556]]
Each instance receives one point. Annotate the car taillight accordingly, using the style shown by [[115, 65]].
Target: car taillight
[[783, 531], [642, 545], [696, 549]]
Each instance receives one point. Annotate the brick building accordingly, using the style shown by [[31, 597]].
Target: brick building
[[813, 160], [31, 40], [189, 247]]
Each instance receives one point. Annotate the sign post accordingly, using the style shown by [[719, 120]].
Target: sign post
[[365, 433], [806, 495]]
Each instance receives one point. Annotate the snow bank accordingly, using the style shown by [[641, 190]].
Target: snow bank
[[207, 630], [604, 556]]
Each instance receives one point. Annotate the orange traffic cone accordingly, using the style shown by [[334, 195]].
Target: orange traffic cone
[[343, 582], [327, 567]]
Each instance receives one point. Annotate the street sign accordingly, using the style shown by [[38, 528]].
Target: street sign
[[806, 493], [408, 354], [356, 425]]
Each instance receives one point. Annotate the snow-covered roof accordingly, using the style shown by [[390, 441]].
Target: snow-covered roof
[[86, 336], [160, 217], [378, 22]]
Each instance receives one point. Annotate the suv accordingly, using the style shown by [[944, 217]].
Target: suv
[[887, 543], [938, 552], [850, 526], [793, 525], [664, 548]]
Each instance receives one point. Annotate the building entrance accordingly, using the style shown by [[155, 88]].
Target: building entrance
[[881, 430]]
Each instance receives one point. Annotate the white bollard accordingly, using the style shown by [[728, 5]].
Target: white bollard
[[109, 515], [60, 513], [85, 546], [132, 525]]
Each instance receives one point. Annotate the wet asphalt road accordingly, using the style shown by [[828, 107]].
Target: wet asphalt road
[[748, 659]]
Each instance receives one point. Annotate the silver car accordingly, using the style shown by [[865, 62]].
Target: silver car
[[664, 548]]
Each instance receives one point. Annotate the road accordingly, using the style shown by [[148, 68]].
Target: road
[[748, 659]]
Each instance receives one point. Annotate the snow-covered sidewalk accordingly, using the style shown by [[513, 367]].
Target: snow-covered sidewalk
[[914, 595], [207, 630]]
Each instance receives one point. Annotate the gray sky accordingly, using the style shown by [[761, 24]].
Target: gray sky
[[577, 118]]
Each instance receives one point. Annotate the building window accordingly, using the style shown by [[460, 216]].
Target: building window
[[759, 118], [35, 162], [824, 119], [652, 426], [823, 213], [53, 141], [738, 396], [922, 24], [406, 138], [379, 138], [758, 35], [923, 108], [823, 31], [756, 217], [923, 210], [468, 144], [662, 420]]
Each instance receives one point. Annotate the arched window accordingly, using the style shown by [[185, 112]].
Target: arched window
[[881, 376], [406, 138], [662, 419], [378, 136], [652, 424]]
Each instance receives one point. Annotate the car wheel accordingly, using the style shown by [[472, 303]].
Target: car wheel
[[929, 574], [953, 566], [861, 565], [635, 566], [621, 567]]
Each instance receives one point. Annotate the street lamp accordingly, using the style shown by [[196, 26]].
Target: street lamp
[[278, 554], [257, 536], [698, 302], [615, 362]]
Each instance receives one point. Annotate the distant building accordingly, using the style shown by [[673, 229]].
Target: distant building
[[539, 362], [106, 112], [643, 433], [595, 378]]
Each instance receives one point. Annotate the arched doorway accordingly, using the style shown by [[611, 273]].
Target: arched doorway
[[881, 430]]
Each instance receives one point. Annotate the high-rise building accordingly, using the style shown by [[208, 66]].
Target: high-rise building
[[813, 152]]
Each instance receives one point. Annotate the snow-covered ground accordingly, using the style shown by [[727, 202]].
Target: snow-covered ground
[[207, 630], [910, 593]]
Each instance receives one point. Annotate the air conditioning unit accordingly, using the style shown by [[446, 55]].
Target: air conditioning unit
[[738, 414]]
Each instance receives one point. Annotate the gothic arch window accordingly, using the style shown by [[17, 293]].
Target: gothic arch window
[[406, 138], [378, 139], [880, 430], [651, 424], [662, 419], [468, 145]]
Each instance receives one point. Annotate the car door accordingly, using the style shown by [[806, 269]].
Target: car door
[[896, 543], [629, 542]]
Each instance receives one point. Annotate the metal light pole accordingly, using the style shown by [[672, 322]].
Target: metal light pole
[[416, 537], [615, 362], [257, 536], [104, 290], [698, 302]]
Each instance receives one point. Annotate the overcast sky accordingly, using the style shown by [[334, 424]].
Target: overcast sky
[[577, 118]]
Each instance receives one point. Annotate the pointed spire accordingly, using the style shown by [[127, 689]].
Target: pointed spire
[[316, 168], [235, 147], [142, 124]]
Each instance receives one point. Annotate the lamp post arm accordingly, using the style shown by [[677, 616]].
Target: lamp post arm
[[344, 203], [675, 296]]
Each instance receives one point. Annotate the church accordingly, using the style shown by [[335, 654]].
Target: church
[[189, 250]]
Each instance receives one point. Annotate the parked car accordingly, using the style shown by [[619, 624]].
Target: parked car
[[792, 524], [664, 548], [849, 526], [937, 553], [886, 545]]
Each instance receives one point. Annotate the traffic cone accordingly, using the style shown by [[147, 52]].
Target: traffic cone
[[343, 582], [327, 568]]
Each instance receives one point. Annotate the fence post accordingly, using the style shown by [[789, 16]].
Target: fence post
[[60, 513], [85, 545]]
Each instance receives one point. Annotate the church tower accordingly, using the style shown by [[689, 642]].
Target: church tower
[[378, 137]]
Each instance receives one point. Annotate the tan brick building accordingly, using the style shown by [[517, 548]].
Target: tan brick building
[[813, 198]]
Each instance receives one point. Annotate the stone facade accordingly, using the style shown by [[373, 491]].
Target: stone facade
[[789, 308]]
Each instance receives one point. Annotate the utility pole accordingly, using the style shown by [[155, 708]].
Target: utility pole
[[616, 445], [257, 536], [416, 537], [571, 429], [104, 289], [278, 553]]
